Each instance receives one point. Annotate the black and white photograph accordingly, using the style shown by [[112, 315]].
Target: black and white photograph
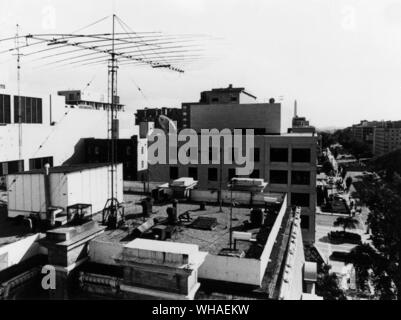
[[205, 157]]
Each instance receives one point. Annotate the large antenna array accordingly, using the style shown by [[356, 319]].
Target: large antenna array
[[113, 49]]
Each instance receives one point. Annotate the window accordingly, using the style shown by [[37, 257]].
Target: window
[[233, 99], [39, 163], [256, 154], [212, 174], [5, 109], [173, 173], [231, 173], [304, 222], [300, 199], [215, 99], [254, 174], [300, 177], [11, 167], [279, 154], [128, 150], [31, 109], [279, 176], [301, 155], [214, 155], [193, 173]]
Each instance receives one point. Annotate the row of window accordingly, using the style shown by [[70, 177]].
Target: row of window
[[39, 163], [31, 109], [11, 167], [297, 177], [298, 155], [302, 155], [5, 115], [276, 176]]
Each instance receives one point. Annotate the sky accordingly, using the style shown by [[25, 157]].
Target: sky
[[341, 60]]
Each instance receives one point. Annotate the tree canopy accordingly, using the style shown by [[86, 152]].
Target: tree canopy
[[383, 197], [346, 223]]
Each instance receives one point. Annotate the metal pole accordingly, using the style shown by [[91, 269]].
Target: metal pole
[[221, 179], [113, 70], [20, 167], [231, 218]]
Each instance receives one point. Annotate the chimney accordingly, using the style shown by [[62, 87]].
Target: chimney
[[295, 108]]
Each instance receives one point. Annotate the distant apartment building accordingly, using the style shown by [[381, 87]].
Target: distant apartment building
[[382, 136], [51, 130], [300, 124], [286, 161], [364, 131], [386, 140]]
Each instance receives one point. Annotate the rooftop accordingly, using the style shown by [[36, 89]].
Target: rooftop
[[66, 169], [212, 241]]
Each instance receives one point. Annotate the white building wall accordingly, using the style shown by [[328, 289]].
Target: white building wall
[[104, 252], [18, 251], [26, 192], [61, 140]]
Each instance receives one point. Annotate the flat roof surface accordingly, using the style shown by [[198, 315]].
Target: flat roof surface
[[212, 241], [299, 134], [66, 169]]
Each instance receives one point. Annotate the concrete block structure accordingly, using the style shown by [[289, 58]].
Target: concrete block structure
[[161, 269]]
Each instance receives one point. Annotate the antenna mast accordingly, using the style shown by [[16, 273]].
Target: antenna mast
[[17, 46], [113, 111]]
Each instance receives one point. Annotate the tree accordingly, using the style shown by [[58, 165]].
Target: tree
[[383, 197], [327, 285], [363, 257], [346, 223], [327, 167], [327, 139], [348, 182]]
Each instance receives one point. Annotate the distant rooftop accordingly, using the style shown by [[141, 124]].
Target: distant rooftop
[[230, 88], [66, 169]]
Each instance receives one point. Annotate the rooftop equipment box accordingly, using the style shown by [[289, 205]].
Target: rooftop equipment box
[[69, 185]]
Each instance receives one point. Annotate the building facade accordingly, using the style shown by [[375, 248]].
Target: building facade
[[386, 140], [130, 152], [286, 161], [51, 131], [381, 136]]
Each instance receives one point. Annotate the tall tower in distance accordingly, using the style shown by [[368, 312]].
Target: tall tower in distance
[[300, 124]]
